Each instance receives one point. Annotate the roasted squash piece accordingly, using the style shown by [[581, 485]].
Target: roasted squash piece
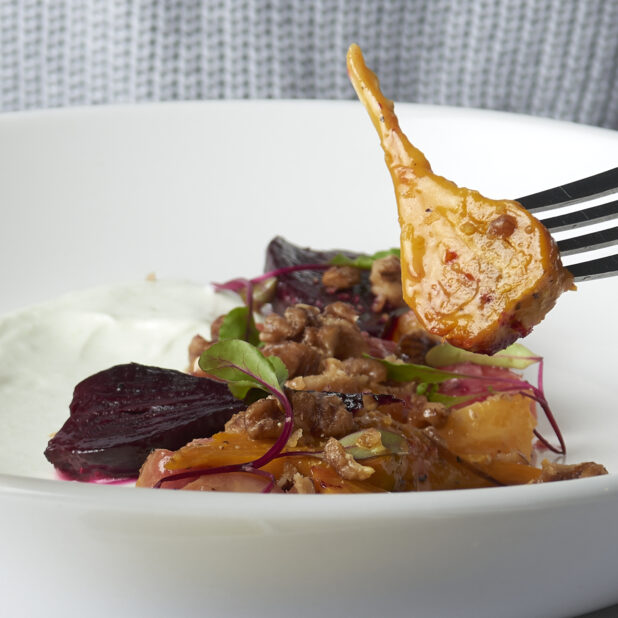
[[502, 424], [478, 272]]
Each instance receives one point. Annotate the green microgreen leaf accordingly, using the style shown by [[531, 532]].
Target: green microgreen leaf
[[408, 372], [239, 324], [451, 400], [516, 356], [391, 444], [364, 262], [243, 367], [281, 371]]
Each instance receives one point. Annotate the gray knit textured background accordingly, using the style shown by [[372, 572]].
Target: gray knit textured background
[[555, 58]]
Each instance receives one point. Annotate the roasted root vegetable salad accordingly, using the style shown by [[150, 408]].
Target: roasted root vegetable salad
[[347, 373], [336, 388], [478, 272]]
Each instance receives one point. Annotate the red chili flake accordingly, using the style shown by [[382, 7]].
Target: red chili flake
[[486, 298], [449, 256], [518, 327]]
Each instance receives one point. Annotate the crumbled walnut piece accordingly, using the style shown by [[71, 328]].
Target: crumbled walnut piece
[[262, 420], [369, 367], [295, 438], [334, 377], [413, 347], [299, 317], [301, 485], [275, 329], [339, 338], [300, 359], [320, 414], [345, 465], [385, 281], [338, 309], [369, 438], [293, 482], [341, 277], [290, 325]]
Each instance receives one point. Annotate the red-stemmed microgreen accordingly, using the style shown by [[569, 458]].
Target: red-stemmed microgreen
[[194, 473], [256, 293], [243, 367], [259, 290], [429, 377]]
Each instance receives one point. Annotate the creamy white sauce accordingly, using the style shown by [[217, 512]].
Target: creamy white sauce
[[47, 349]]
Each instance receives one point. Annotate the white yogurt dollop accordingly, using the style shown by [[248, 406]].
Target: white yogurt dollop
[[47, 349]]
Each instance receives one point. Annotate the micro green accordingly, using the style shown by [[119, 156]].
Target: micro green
[[258, 291], [516, 356], [239, 324], [364, 262], [409, 372], [429, 377], [243, 367]]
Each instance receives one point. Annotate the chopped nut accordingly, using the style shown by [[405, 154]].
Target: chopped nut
[[385, 281], [341, 277], [345, 465], [370, 438]]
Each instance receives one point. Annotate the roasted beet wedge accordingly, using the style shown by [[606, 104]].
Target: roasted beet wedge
[[119, 415], [305, 286]]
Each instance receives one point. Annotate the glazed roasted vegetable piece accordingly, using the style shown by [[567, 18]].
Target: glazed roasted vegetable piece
[[476, 271], [119, 415]]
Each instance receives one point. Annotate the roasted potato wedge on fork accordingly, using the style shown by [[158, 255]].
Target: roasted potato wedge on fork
[[476, 271]]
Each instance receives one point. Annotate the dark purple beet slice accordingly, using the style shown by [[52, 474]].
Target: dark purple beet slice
[[119, 415], [306, 287]]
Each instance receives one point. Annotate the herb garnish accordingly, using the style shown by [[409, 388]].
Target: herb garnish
[[258, 291], [364, 262], [239, 324], [430, 377], [516, 356], [244, 368]]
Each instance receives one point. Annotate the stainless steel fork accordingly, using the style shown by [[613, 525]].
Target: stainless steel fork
[[582, 191]]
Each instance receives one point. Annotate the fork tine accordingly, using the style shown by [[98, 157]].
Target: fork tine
[[588, 242], [598, 185], [595, 269], [580, 218]]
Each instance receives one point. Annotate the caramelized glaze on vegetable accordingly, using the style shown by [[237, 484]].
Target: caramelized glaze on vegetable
[[478, 272]]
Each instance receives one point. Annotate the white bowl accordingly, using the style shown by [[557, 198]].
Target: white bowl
[[195, 191]]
